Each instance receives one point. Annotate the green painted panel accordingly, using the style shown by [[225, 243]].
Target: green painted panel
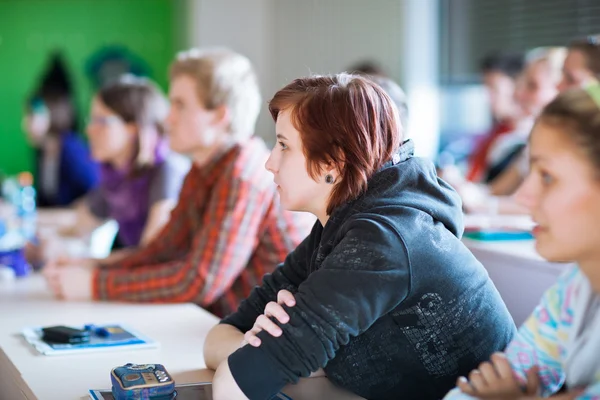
[[31, 29]]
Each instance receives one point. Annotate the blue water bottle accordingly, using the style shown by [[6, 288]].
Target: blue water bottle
[[25, 207]]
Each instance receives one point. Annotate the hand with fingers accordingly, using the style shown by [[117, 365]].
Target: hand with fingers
[[68, 281], [495, 380], [264, 323]]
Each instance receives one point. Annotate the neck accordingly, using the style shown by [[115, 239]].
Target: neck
[[122, 162], [592, 272], [321, 215], [323, 219], [203, 156]]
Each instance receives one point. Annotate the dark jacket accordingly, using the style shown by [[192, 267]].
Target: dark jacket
[[77, 173], [388, 299]]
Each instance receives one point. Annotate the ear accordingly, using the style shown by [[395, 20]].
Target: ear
[[221, 116], [334, 170], [132, 129]]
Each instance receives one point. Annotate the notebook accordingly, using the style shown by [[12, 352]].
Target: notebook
[[497, 234], [189, 391], [120, 337]]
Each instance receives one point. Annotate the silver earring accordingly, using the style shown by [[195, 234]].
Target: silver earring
[[329, 179]]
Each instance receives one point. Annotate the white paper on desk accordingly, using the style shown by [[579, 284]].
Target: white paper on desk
[[34, 337]]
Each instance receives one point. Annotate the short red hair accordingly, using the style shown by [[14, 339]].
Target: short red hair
[[346, 121]]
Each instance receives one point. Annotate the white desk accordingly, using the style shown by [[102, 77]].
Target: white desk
[[519, 273], [180, 329], [24, 374]]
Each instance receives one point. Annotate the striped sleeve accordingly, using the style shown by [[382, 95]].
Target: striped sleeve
[[592, 392], [537, 343], [220, 250]]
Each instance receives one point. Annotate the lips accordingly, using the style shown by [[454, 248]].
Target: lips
[[537, 230]]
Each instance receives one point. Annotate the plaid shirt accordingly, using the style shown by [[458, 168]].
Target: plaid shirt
[[226, 232]]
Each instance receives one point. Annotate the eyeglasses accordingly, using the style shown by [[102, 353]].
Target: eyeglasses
[[104, 120]]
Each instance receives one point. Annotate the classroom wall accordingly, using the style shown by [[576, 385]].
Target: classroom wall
[[31, 29], [286, 39]]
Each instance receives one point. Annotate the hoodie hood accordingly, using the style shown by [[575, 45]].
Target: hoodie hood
[[409, 185]]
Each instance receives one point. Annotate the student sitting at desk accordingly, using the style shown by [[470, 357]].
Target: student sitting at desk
[[536, 87], [228, 228], [581, 68], [140, 178], [64, 170], [388, 300], [558, 347]]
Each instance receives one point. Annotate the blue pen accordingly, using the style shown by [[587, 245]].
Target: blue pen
[[98, 330]]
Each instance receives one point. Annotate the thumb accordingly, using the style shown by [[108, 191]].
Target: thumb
[[533, 381]]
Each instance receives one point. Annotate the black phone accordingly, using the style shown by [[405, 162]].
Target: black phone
[[65, 334]]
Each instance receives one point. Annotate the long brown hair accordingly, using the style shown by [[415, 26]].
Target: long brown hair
[[577, 113], [138, 101]]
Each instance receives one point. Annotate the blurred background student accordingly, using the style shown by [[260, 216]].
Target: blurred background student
[[582, 64], [140, 177], [63, 168], [499, 74], [536, 87]]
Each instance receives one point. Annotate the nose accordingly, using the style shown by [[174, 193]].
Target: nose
[[89, 128], [169, 119], [525, 194], [270, 165], [561, 85]]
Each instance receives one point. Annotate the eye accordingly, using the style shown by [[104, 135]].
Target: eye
[[282, 145], [178, 105], [546, 178]]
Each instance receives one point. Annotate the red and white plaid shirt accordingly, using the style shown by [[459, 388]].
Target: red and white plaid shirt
[[227, 230]]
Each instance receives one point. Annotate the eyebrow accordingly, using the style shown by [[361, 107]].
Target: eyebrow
[[535, 159], [280, 136]]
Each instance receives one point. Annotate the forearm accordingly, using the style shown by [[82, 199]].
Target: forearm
[[162, 283], [224, 385], [222, 340], [86, 222], [158, 217], [117, 255]]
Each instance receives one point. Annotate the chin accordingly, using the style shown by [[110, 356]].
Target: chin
[[551, 252], [289, 206]]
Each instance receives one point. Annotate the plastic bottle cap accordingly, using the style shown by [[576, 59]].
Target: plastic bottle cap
[[25, 178]]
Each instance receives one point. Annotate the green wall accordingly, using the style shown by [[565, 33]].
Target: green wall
[[31, 29]]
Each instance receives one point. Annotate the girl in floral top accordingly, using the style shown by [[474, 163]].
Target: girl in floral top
[[557, 351]]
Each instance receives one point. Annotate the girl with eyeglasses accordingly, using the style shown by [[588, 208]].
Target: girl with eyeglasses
[[140, 177]]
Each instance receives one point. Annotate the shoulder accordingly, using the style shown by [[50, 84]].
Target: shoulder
[[74, 151], [246, 166], [175, 166], [73, 141], [371, 232]]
